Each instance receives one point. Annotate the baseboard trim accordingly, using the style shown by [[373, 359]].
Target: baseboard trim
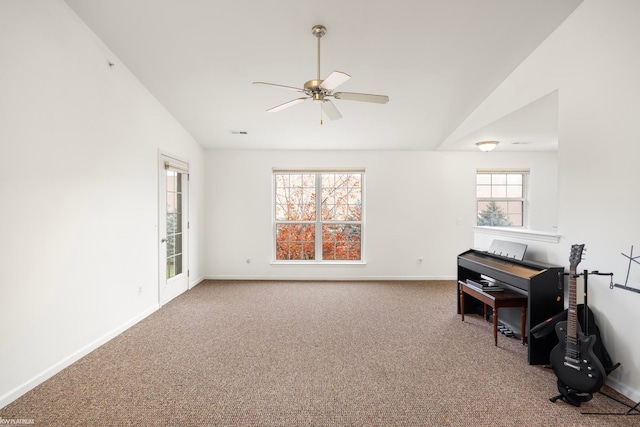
[[331, 278], [623, 389], [196, 282], [14, 394]]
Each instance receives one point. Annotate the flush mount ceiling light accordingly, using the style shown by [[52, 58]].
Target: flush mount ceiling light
[[486, 145]]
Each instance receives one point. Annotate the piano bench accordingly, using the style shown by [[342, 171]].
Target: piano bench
[[496, 300]]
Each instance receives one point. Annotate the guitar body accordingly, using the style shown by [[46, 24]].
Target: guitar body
[[585, 373]]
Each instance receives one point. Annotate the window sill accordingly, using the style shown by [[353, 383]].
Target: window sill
[[320, 263], [539, 236]]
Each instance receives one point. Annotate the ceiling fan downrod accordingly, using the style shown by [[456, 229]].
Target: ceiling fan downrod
[[319, 31]]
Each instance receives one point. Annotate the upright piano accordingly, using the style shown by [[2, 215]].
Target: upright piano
[[541, 283]]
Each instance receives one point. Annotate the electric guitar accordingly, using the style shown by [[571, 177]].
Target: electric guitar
[[573, 360]]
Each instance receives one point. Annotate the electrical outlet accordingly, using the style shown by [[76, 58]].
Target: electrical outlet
[[248, 260], [139, 290], [419, 260]]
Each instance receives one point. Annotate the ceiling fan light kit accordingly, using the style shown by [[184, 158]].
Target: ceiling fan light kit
[[319, 91]]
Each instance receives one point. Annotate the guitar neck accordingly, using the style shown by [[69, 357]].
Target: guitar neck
[[572, 316]]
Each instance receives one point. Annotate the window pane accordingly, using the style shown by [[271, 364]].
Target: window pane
[[493, 214], [483, 191], [483, 179], [514, 191], [295, 181], [295, 241], [281, 212], [341, 212], [172, 223], [172, 203], [171, 268], [308, 204], [498, 179], [341, 197], [515, 220], [328, 212], [178, 244], [515, 207], [355, 213], [328, 180], [514, 179], [171, 245], [172, 178], [178, 264], [499, 191], [341, 242], [502, 205], [295, 197]]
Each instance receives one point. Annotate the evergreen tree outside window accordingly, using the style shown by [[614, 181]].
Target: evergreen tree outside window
[[501, 198]]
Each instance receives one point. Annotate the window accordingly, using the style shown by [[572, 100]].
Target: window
[[174, 223], [324, 228], [501, 198]]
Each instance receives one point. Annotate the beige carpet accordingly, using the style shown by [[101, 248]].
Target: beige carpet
[[308, 354]]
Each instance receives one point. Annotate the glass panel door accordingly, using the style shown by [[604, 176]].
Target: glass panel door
[[174, 223], [173, 195]]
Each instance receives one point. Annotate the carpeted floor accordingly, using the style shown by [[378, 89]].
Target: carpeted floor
[[241, 353]]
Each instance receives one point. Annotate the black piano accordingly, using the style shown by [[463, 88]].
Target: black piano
[[540, 282]]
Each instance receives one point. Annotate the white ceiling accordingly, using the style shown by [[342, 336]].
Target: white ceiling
[[437, 60]]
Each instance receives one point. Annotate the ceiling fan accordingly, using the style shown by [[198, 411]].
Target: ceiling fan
[[321, 90]]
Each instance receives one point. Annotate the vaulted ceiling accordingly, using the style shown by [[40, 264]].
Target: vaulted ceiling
[[437, 60]]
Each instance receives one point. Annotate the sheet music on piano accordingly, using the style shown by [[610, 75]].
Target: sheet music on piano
[[508, 249]]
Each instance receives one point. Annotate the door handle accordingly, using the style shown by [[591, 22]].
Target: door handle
[[163, 240]]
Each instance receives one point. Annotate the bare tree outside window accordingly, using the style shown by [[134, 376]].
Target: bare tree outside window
[[335, 234]]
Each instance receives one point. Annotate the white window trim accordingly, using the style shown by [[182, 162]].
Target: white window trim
[[525, 196], [275, 261], [519, 233]]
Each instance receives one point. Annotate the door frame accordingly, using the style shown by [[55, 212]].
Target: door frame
[[171, 288]]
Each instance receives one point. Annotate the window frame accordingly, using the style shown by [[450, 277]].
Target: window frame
[[524, 199], [318, 222]]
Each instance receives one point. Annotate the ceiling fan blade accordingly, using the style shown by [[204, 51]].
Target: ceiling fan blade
[[330, 110], [334, 80], [364, 97], [286, 105], [297, 89]]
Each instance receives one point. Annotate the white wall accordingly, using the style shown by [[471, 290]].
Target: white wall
[[592, 59], [417, 204], [80, 143]]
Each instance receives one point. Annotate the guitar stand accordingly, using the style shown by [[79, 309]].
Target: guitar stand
[[575, 398], [633, 410], [571, 396]]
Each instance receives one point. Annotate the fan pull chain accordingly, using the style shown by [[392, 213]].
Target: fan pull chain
[[321, 115]]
